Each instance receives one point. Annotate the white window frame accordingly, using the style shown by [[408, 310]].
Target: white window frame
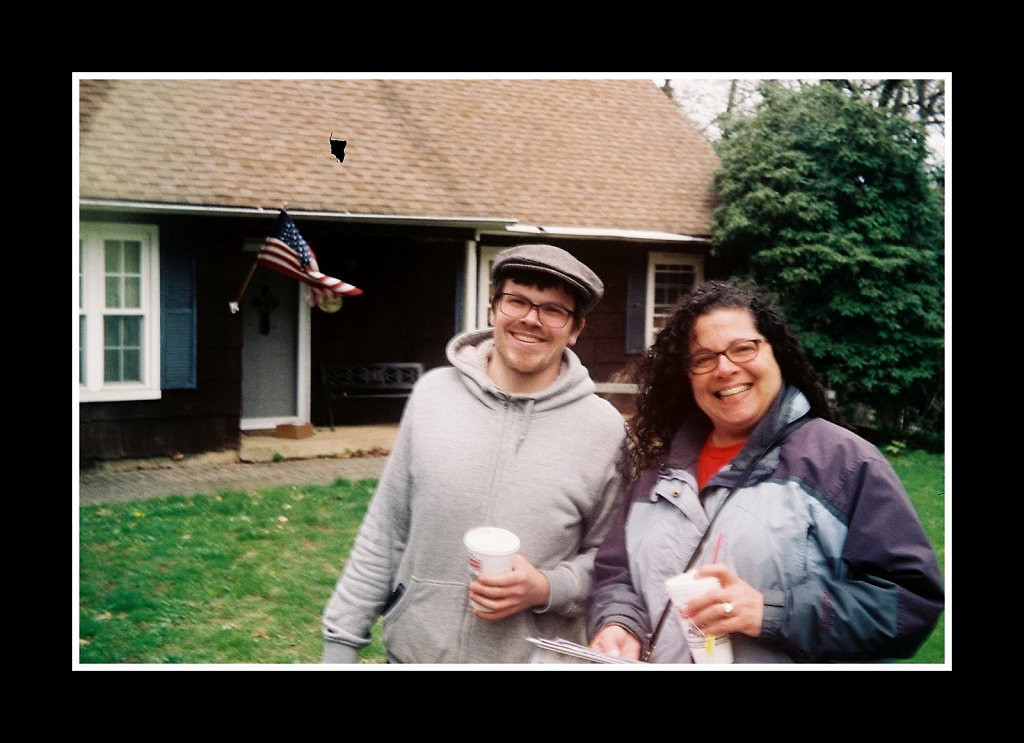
[[483, 300], [655, 259], [91, 305]]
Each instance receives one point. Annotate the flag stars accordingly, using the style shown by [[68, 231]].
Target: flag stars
[[291, 236]]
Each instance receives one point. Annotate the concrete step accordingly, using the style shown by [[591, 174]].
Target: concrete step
[[342, 442]]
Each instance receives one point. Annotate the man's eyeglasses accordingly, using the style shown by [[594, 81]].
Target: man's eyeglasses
[[517, 307], [739, 352]]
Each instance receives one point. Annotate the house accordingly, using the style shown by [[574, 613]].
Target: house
[[180, 181]]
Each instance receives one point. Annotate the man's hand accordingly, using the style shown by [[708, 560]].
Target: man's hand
[[521, 588]]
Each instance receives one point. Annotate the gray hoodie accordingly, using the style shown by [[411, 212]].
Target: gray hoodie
[[547, 466]]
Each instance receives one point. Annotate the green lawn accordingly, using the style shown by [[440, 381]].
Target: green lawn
[[243, 577], [923, 476], [228, 578]]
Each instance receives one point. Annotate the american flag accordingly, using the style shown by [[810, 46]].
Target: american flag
[[286, 251]]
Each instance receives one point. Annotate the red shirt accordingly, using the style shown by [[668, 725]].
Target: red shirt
[[713, 458]]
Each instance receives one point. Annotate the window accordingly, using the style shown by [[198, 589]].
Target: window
[[669, 277], [118, 308]]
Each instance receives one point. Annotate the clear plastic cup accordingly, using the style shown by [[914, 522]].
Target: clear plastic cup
[[704, 649]]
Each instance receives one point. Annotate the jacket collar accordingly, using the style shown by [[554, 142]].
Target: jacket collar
[[789, 405]]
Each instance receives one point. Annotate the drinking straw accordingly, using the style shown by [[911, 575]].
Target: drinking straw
[[709, 640]]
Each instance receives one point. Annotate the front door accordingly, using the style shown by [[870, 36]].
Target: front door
[[275, 385]]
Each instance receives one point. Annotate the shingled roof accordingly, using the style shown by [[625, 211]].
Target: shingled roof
[[601, 154]]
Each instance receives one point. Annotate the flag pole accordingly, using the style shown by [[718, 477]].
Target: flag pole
[[233, 306]]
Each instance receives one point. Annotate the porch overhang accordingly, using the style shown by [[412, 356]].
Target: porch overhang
[[598, 233], [480, 224]]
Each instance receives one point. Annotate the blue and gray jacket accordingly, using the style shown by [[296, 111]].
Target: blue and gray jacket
[[822, 527]]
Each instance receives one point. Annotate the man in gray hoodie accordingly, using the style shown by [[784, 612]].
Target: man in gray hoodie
[[510, 435]]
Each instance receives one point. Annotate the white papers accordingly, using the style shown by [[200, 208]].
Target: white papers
[[564, 651]]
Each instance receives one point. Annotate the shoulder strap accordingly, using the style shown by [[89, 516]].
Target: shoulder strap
[[779, 438]]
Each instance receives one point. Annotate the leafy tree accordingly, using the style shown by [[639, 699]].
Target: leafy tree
[[711, 103], [826, 200], [924, 100]]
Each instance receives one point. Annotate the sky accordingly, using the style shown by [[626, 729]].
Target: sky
[[703, 99]]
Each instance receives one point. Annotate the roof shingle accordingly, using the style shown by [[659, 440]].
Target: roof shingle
[[612, 154]]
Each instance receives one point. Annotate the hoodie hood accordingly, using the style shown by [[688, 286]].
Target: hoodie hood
[[470, 352]]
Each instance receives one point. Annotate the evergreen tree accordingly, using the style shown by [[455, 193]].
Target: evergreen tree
[[827, 202]]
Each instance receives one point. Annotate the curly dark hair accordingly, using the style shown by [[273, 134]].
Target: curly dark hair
[[666, 395]]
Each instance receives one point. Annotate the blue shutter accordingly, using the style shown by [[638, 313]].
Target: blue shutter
[[636, 297], [177, 319]]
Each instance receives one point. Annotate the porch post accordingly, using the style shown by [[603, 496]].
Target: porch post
[[469, 288]]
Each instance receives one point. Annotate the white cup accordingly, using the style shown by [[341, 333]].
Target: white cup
[[683, 587], [490, 550]]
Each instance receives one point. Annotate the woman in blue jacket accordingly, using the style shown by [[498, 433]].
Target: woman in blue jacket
[[818, 550]]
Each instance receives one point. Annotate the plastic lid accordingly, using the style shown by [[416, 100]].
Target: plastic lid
[[491, 540], [685, 586]]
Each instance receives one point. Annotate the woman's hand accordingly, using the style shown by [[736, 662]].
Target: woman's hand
[[735, 607], [616, 641]]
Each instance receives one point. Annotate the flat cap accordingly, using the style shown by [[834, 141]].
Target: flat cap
[[554, 261]]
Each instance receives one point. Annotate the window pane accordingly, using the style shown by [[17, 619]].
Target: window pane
[[122, 263], [131, 367], [131, 332], [111, 332], [112, 256], [122, 349], [132, 257], [671, 282], [111, 366], [132, 292], [113, 291]]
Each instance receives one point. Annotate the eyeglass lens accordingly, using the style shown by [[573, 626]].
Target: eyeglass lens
[[738, 353], [518, 307]]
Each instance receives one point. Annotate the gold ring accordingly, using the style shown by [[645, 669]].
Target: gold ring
[[727, 608]]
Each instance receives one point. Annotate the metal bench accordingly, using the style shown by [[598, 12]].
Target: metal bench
[[386, 379]]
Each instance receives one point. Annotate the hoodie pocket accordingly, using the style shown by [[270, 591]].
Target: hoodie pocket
[[424, 623]]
